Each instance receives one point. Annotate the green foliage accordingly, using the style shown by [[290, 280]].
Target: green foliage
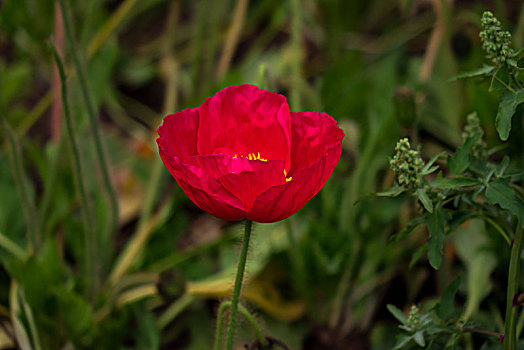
[[152, 276]]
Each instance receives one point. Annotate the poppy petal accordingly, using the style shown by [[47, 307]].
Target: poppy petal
[[204, 190], [313, 134], [280, 202], [241, 120], [243, 178], [178, 133]]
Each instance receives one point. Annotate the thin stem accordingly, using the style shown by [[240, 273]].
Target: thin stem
[[87, 215], [220, 323], [110, 26], [498, 228], [245, 312], [296, 49], [11, 247], [232, 39], [510, 335], [238, 284], [22, 185], [174, 310], [113, 217], [482, 331]]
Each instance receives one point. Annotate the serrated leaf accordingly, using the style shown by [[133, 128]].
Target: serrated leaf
[[452, 183], [445, 307], [436, 223], [507, 106], [399, 315], [501, 193], [484, 71], [424, 199]]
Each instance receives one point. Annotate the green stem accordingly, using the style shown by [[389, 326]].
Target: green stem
[[245, 312], [26, 202], [92, 120], [220, 323], [11, 247], [87, 214], [238, 284], [296, 49], [510, 335]]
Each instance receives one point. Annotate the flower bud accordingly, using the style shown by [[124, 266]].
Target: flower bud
[[407, 165], [495, 41]]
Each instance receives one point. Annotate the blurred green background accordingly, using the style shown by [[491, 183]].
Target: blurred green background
[[152, 276]]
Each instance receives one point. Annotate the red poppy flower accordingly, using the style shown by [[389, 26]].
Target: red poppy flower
[[243, 154]]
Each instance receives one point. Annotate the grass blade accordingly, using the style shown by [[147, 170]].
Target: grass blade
[[22, 185]]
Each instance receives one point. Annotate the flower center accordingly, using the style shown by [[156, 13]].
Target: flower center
[[252, 156], [256, 156]]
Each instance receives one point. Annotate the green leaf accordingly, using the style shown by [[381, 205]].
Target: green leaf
[[35, 283], [507, 106], [428, 168], [445, 307], [409, 228], [501, 168], [148, 334], [76, 312], [470, 241], [501, 193], [399, 315], [460, 160], [452, 183], [501, 79], [484, 71], [417, 255], [424, 199], [402, 341], [391, 192], [435, 222], [419, 338]]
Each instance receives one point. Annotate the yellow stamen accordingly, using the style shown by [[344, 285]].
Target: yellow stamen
[[256, 156], [251, 156], [287, 178]]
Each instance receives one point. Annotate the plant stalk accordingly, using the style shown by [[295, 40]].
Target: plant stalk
[[113, 205], [510, 334], [238, 285], [220, 324], [91, 254]]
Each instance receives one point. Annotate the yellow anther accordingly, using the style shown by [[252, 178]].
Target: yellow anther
[[251, 156], [287, 178]]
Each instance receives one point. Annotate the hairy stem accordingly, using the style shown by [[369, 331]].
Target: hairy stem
[[238, 285], [245, 312]]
